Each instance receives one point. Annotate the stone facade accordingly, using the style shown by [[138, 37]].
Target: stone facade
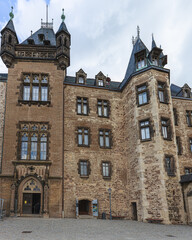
[[74, 145]]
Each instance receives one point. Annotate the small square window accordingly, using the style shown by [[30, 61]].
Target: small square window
[[100, 82], [81, 80]]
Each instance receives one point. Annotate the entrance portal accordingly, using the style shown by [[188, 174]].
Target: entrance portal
[[31, 203], [84, 207]]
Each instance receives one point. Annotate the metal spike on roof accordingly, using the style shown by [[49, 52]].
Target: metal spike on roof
[[153, 42], [11, 13], [63, 16]]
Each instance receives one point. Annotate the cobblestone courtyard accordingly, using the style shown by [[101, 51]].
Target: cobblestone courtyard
[[72, 229]]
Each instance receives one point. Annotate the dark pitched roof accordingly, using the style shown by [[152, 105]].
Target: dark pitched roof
[[153, 45], [62, 28], [138, 46], [91, 82], [3, 77], [48, 35], [175, 90], [10, 26]]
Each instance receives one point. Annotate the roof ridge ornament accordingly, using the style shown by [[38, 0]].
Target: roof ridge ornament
[[11, 13], [63, 15], [138, 32]]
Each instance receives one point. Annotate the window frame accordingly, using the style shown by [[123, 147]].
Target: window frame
[[88, 168], [190, 144], [26, 128], [144, 127], [28, 81], [109, 169], [82, 103], [103, 108], [189, 118], [162, 89], [168, 127], [83, 136], [138, 92], [179, 145], [171, 170], [175, 116], [104, 138], [188, 168]]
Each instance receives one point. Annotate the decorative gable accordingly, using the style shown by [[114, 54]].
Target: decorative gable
[[81, 77], [100, 79]]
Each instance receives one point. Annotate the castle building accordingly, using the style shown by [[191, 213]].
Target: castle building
[[71, 145]]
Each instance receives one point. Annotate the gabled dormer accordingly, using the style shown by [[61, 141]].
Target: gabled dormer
[[9, 40], [154, 55], [186, 91], [81, 77], [100, 79]]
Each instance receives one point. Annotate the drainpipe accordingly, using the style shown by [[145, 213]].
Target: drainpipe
[[63, 214]]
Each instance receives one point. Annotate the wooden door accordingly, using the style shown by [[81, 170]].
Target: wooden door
[[27, 203]]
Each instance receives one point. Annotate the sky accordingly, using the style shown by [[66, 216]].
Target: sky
[[102, 30]]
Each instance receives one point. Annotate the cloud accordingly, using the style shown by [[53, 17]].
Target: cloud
[[101, 32]]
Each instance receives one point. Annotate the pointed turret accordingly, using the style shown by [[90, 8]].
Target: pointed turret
[[153, 45], [63, 43], [9, 40]]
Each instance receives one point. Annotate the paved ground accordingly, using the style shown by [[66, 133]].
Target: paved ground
[[84, 229]]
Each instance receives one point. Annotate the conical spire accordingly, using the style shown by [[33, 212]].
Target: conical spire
[[63, 26], [153, 42], [10, 24]]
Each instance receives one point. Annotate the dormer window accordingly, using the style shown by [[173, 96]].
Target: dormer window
[[141, 62], [186, 91], [100, 83], [81, 77], [81, 80], [41, 37], [155, 61]]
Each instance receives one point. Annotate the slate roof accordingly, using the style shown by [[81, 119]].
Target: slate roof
[[10, 26], [47, 32], [3, 77], [62, 28], [176, 91], [154, 45], [138, 46], [91, 82]]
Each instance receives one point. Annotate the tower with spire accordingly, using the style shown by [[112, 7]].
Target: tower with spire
[[9, 41]]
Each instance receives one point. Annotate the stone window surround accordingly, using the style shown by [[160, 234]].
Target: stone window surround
[[175, 115], [179, 145], [110, 170], [170, 171], [163, 89], [81, 74], [168, 126], [150, 129], [88, 168], [110, 138], [189, 118], [188, 170], [142, 91], [82, 105], [140, 56], [31, 84], [102, 108], [38, 132], [83, 128]]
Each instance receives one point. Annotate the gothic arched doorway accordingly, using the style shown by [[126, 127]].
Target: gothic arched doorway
[[30, 196]]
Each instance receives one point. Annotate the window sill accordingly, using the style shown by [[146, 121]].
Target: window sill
[[106, 178], [86, 146], [34, 102], [164, 102], [146, 140], [84, 177], [103, 116], [167, 139], [171, 174], [140, 105], [105, 147], [81, 114], [32, 162]]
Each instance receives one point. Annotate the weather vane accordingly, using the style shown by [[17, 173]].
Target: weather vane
[[63, 16], [11, 13]]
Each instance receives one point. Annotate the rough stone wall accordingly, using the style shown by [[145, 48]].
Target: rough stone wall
[[94, 187], [147, 176], [2, 111], [185, 158], [52, 114]]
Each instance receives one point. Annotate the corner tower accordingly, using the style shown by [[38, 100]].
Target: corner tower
[[9, 40], [63, 43]]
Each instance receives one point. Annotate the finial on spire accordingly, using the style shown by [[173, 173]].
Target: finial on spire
[[63, 16], [133, 40], [152, 37], [11, 13], [31, 32], [138, 32]]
